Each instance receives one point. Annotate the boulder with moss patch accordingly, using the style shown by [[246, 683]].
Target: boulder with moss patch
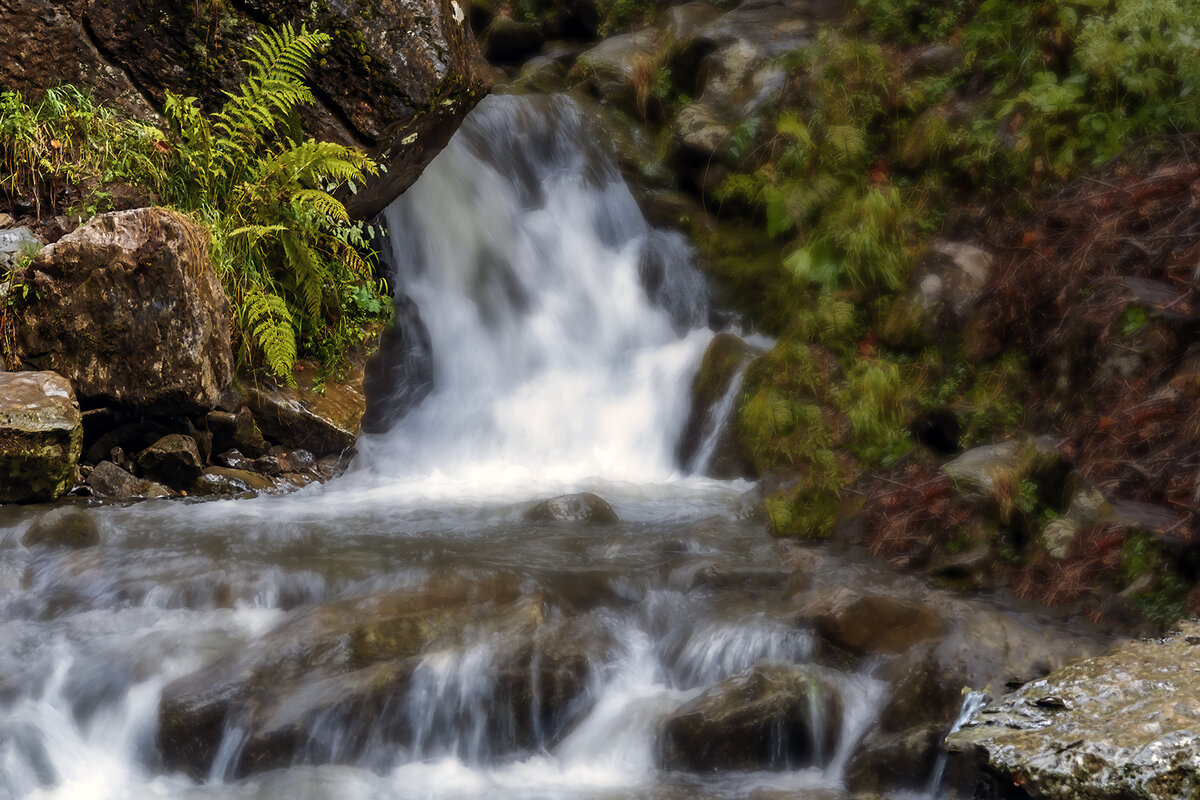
[[129, 309], [41, 436]]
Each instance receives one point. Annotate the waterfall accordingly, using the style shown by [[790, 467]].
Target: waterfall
[[562, 330]]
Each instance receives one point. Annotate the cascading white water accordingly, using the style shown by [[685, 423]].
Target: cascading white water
[[528, 259], [562, 336]]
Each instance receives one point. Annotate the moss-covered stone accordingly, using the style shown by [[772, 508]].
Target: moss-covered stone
[[41, 436]]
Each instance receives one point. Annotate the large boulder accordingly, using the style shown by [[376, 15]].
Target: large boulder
[[41, 436], [130, 310], [397, 78], [1121, 725]]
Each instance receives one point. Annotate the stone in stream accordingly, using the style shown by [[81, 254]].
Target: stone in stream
[[726, 357], [110, 482], [584, 507], [41, 435], [770, 715], [67, 526], [1121, 725], [236, 431], [129, 309], [216, 481], [327, 682], [173, 460]]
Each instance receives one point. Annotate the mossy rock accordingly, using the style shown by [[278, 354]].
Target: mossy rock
[[41, 436]]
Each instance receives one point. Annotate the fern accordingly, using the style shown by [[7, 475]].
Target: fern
[[270, 325], [287, 251]]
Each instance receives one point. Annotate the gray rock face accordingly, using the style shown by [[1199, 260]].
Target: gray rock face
[[397, 79], [944, 290], [129, 309], [1125, 724], [41, 435]]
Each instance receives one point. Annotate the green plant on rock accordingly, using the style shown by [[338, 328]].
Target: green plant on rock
[[285, 248], [67, 139]]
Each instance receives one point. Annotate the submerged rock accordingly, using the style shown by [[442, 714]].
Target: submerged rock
[[585, 507], [771, 715], [329, 683], [1125, 724], [63, 527], [41, 436], [129, 309]]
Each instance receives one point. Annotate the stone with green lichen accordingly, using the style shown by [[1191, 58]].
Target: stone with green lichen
[[1125, 724], [41, 436]]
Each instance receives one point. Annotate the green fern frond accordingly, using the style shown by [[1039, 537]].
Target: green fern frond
[[272, 331], [322, 202]]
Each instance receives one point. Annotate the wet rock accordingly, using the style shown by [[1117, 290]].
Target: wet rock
[[510, 41], [130, 437], [619, 67], [224, 481], [399, 375], [671, 281], [344, 667], [110, 482], [769, 715], [299, 417], [719, 376], [1118, 725], [173, 460], [701, 135], [983, 649], [63, 527], [902, 760], [543, 74], [682, 29], [585, 507], [129, 310], [41, 435], [236, 431], [865, 624]]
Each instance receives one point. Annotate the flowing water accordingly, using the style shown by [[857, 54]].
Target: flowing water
[[556, 335]]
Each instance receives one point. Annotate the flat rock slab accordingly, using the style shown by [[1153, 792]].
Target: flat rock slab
[[1122, 725]]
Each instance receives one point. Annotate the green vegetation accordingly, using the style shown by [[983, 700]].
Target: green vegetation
[[892, 119], [289, 257]]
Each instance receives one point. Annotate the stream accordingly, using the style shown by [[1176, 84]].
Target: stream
[[555, 339]]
